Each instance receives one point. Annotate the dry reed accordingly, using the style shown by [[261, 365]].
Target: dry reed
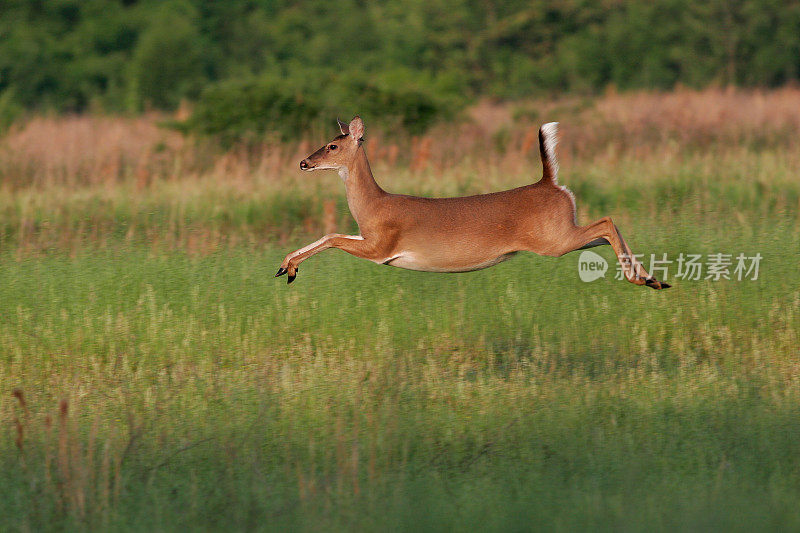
[[75, 180], [88, 150]]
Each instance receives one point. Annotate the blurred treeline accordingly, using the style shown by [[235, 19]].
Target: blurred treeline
[[411, 61]]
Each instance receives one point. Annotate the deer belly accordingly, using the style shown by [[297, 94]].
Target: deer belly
[[445, 262]]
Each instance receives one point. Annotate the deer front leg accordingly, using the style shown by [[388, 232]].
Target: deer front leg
[[352, 244]]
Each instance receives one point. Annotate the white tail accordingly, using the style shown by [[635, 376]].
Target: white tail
[[548, 140], [458, 234]]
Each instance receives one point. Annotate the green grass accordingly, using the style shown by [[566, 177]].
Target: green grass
[[371, 397], [168, 389]]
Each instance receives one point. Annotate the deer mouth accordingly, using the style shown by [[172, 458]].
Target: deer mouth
[[306, 165]]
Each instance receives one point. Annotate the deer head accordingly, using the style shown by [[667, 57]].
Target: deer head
[[338, 153]]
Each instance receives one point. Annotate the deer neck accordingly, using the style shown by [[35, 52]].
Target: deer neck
[[362, 190]]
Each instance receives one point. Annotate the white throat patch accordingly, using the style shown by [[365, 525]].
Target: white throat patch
[[344, 173]]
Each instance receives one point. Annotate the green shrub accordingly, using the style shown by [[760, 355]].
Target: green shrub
[[411, 109], [9, 109], [288, 107], [251, 110], [168, 63]]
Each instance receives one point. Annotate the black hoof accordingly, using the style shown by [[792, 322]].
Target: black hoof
[[281, 272], [655, 284], [290, 278]]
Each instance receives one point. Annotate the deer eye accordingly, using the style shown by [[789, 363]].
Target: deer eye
[[333, 147]]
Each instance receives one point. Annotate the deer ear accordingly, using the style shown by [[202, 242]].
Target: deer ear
[[343, 127], [356, 129]]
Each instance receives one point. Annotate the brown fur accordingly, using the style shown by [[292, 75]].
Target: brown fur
[[456, 234]]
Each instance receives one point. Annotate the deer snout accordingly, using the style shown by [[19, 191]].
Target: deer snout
[[304, 164]]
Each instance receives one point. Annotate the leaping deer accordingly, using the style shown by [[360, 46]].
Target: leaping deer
[[457, 234]]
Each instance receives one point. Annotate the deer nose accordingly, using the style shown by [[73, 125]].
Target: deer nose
[[303, 165]]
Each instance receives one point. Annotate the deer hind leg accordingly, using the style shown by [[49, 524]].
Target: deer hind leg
[[352, 244], [602, 232]]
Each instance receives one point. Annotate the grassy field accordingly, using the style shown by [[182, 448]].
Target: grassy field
[[153, 373]]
